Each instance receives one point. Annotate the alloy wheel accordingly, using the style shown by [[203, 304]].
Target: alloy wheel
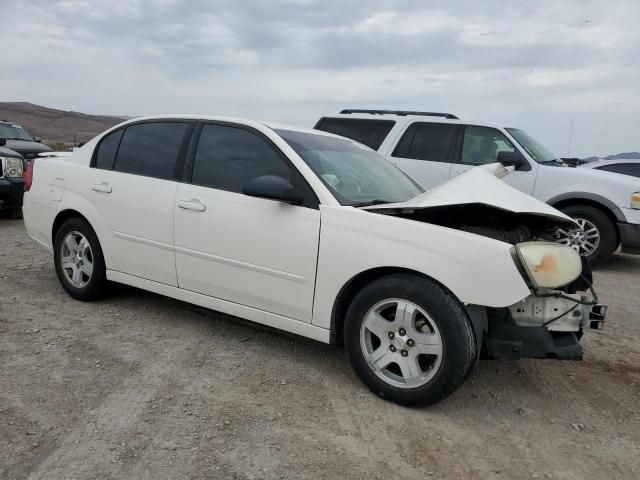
[[401, 343], [584, 240], [76, 259]]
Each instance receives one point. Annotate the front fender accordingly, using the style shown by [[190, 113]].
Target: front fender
[[477, 270]]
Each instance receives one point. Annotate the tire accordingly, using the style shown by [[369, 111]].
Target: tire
[[431, 371], [608, 238], [73, 270]]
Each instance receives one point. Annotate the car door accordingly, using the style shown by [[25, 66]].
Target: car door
[[132, 185], [481, 145], [426, 151], [252, 251]]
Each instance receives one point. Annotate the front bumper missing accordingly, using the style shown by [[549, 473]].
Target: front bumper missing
[[629, 238], [537, 328]]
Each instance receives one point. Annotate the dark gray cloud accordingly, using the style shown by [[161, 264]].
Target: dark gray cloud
[[535, 64]]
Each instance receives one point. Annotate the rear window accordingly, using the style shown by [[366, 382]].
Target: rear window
[[368, 132], [151, 149]]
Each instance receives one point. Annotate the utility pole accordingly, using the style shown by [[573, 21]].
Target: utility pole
[[570, 138]]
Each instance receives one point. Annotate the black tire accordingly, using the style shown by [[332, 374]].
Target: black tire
[[607, 229], [95, 286], [458, 341]]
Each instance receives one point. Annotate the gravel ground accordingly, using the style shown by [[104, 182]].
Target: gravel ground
[[141, 386]]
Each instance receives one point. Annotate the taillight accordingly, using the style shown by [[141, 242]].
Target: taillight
[[28, 176]]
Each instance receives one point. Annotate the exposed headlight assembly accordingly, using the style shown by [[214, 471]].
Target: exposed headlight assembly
[[635, 200], [549, 265], [11, 167]]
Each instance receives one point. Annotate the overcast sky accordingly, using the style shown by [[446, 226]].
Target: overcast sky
[[532, 64]]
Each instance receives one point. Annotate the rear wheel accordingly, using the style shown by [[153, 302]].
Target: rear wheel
[[409, 340], [78, 260], [596, 237]]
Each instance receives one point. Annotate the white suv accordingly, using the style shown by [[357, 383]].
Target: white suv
[[320, 236], [435, 147]]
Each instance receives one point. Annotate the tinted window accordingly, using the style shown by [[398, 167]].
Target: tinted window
[[228, 157], [151, 149], [106, 155], [632, 169], [427, 141], [481, 145], [368, 132]]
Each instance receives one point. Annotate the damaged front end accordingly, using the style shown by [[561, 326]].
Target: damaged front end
[[550, 322]]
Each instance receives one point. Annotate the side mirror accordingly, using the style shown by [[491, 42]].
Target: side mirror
[[37, 139], [3, 142], [513, 159], [273, 188]]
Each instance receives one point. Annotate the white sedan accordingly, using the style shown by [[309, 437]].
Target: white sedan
[[320, 236]]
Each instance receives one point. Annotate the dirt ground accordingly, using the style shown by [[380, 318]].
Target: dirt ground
[[143, 387]]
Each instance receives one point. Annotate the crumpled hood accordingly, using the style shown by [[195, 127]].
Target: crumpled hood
[[479, 185]]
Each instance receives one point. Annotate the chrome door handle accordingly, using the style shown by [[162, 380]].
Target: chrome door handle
[[193, 204], [103, 187]]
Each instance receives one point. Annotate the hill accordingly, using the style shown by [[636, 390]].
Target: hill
[[56, 126]]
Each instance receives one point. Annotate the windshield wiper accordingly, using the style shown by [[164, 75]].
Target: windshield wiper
[[555, 161], [377, 201], [16, 138]]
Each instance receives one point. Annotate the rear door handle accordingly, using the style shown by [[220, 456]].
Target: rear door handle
[[103, 187], [193, 204]]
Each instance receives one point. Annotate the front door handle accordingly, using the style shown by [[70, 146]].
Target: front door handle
[[103, 187], [193, 204]]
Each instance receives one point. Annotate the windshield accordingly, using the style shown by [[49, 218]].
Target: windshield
[[10, 131], [535, 149], [355, 174]]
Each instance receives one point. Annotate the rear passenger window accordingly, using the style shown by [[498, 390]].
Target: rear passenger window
[[107, 149], [368, 132], [228, 157], [433, 142], [151, 149]]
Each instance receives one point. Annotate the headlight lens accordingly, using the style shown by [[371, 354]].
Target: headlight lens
[[12, 167], [635, 201], [549, 265]]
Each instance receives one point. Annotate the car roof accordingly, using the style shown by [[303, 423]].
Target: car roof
[[411, 117], [220, 118]]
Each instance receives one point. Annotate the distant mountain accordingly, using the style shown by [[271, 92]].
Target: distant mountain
[[56, 126], [617, 156], [626, 156]]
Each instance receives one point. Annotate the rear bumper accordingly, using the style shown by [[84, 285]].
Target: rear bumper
[[11, 192], [630, 237]]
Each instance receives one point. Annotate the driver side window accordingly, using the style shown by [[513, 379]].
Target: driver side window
[[481, 145]]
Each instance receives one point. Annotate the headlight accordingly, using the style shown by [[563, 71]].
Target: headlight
[[11, 167], [549, 265], [635, 201]]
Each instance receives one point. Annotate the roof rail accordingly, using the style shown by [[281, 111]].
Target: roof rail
[[403, 113]]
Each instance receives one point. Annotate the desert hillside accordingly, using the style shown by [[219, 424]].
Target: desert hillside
[[56, 126]]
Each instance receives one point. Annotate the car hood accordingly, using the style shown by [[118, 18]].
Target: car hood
[[480, 186], [26, 146], [7, 152]]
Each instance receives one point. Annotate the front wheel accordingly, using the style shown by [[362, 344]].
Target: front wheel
[[78, 260], [409, 340], [596, 238]]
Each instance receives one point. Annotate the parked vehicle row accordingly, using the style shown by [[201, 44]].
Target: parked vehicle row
[[435, 147], [320, 236]]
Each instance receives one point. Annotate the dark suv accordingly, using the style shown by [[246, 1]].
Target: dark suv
[[12, 167], [19, 140]]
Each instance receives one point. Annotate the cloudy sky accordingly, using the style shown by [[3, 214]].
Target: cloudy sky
[[537, 64]]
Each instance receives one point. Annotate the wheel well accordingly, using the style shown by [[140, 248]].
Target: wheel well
[[63, 217], [351, 289], [591, 203]]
